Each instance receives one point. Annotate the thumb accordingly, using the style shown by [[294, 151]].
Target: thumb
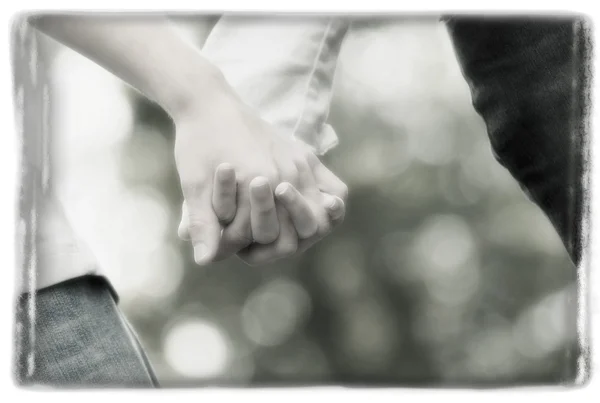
[[204, 228]]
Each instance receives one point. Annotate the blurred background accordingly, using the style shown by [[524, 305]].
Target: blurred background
[[443, 273]]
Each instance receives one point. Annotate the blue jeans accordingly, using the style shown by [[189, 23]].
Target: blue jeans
[[529, 81], [78, 337]]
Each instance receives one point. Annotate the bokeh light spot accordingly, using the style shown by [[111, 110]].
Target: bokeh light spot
[[546, 326], [196, 349], [274, 311], [444, 244]]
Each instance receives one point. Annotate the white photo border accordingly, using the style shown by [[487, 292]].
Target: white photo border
[[9, 163]]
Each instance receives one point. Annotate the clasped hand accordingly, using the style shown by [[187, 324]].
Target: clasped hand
[[250, 190]]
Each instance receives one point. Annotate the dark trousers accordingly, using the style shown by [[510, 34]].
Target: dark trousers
[[528, 81]]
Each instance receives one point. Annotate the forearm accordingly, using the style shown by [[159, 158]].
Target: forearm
[[148, 54]]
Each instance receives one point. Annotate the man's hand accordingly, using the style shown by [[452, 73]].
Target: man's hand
[[226, 130], [307, 222], [313, 214]]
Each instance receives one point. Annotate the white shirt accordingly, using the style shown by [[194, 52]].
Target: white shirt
[[284, 67]]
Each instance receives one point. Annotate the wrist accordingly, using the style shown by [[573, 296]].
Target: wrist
[[194, 91]]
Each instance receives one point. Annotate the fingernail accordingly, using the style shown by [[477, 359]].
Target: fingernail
[[225, 166], [283, 190], [200, 252], [330, 201], [259, 183]]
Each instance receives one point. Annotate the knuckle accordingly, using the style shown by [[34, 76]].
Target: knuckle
[[343, 191], [323, 228], [310, 230], [338, 220]]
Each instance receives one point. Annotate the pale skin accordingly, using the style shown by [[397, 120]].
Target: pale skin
[[264, 222], [285, 198]]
